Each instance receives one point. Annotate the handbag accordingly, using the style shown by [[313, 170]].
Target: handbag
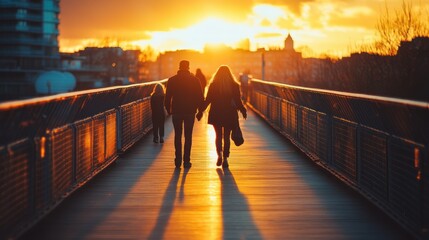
[[237, 136]]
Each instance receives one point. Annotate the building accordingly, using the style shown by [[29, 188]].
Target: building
[[28, 44], [283, 65], [96, 67], [279, 65]]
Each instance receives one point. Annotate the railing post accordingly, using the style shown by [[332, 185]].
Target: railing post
[[358, 154], [118, 129]]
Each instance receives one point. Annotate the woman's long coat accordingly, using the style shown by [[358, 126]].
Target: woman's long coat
[[223, 109]]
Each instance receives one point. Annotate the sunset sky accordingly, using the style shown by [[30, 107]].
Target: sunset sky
[[324, 26]]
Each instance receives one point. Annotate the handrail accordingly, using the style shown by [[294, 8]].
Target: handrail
[[376, 145], [32, 117], [17, 103], [349, 94], [50, 146]]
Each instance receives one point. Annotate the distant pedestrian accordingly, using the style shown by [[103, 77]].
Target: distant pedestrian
[[244, 81], [224, 97], [199, 74], [158, 113], [183, 96]]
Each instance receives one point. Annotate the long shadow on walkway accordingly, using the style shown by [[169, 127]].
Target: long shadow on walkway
[[167, 205], [338, 201], [113, 187], [236, 215]]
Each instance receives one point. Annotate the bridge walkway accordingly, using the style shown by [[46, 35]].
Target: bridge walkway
[[270, 191]]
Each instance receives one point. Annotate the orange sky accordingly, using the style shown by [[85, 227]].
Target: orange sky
[[324, 26]]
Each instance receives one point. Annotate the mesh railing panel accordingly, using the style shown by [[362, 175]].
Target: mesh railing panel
[[293, 120], [405, 180], [62, 152], [84, 146], [273, 111], [378, 145], [323, 138], [42, 176], [147, 115], [14, 184], [64, 148], [111, 135], [284, 116], [135, 121], [311, 130], [99, 140], [373, 154], [344, 148], [126, 126]]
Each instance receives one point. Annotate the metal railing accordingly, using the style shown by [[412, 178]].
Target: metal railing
[[377, 145], [51, 146]]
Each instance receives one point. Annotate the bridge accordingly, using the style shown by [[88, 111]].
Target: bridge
[[315, 164]]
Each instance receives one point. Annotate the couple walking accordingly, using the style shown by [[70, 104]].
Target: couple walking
[[184, 96]]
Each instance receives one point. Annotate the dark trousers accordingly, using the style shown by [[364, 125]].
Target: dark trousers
[[224, 134], [158, 129], [180, 122]]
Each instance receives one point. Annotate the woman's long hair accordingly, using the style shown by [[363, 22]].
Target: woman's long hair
[[158, 90], [223, 81]]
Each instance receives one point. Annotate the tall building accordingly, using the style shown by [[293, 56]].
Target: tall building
[[289, 43], [283, 65], [28, 44]]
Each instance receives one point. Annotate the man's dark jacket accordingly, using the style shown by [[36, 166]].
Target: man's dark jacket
[[184, 94]]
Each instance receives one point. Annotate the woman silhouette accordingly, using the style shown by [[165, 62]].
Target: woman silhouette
[[225, 99]]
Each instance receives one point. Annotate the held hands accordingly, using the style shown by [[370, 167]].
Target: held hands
[[199, 115], [244, 113]]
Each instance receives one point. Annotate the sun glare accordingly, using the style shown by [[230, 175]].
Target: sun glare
[[217, 31], [322, 26], [260, 28], [206, 32]]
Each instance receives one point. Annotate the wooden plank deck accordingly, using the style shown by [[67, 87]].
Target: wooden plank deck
[[271, 191]]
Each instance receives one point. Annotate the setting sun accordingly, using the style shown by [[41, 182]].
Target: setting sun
[[320, 27], [260, 27], [208, 31]]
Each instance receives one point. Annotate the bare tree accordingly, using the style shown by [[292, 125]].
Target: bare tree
[[148, 54], [404, 24]]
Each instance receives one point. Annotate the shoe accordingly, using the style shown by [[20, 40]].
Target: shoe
[[155, 139], [161, 140], [219, 161], [187, 164], [225, 163], [177, 162]]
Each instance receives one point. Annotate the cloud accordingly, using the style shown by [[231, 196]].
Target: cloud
[[320, 21], [83, 17], [131, 18], [293, 5], [265, 23], [321, 14]]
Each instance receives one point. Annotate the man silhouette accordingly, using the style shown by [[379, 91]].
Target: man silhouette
[[182, 99]]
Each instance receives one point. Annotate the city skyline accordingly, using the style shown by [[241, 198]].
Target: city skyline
[[319, 27]]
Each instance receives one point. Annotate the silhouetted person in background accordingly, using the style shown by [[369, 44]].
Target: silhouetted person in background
[[183, 96], [199, 74], [225, 99], [244, 81], [158, 114]]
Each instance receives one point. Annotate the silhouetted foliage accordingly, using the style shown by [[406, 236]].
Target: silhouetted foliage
[[404, 24], [402, 76]]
